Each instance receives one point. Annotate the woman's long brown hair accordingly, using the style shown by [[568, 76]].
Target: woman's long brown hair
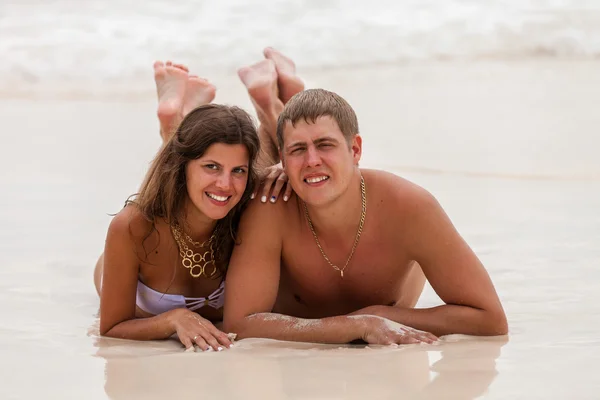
[[163, 192]]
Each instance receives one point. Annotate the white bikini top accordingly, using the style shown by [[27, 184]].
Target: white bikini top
[[154, 302]]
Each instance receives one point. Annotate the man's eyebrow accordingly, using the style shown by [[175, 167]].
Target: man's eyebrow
[[324, 139], [316, 141], [295, 144]]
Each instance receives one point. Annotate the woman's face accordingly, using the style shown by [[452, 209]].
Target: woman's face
[[217, 180]]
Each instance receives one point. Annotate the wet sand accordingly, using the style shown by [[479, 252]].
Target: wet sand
[[509, 149]]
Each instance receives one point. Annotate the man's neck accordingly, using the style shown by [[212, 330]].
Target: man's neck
[[342, 215]]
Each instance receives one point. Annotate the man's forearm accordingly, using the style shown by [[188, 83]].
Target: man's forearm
[[340, 329], [444, 320]]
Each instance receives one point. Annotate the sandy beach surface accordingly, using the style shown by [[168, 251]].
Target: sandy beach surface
[[508, 147]]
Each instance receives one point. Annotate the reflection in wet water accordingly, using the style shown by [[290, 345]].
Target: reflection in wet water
[[463, 366]]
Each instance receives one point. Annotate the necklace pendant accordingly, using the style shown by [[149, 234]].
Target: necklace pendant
[[342, 274]]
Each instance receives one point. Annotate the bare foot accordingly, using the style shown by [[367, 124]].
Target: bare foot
[[198, 92], [180, 66], [261, 81], [171, 83], [289, 83]]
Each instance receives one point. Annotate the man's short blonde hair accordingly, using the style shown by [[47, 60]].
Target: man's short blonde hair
[[311, 104]]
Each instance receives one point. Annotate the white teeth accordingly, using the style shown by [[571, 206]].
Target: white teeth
[[215, 197], [316, 179]]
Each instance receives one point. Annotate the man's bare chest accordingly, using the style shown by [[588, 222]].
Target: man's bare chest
[[374, 274]]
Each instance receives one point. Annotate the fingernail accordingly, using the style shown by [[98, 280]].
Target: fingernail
[[285, 198], [252, 196], [263, 199], [273, 198], [231, 345], [219, 348]]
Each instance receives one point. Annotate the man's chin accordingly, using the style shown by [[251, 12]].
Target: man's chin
[[316, 200]]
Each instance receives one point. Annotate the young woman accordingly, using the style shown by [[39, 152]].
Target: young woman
[[166, 253]]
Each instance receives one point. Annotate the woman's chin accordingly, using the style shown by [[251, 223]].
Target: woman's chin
[[216, 212]]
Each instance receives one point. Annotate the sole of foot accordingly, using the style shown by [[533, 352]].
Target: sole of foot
[[288, 82], [199, 92]]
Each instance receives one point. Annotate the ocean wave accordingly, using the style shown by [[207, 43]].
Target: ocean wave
[[110, 41]]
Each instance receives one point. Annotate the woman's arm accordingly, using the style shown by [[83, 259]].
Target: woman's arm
[[118, 296]]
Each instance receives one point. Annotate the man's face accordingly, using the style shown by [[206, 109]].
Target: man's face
[[318, 160]]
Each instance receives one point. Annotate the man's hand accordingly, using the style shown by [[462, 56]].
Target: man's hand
[[378, 330]]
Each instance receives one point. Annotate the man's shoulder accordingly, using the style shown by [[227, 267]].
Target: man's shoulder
[[390, 184], [395, 194]]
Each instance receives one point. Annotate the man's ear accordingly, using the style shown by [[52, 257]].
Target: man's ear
[[281, 158], [356, 148]]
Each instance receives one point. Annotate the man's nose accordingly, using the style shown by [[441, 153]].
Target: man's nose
[[313, 158]]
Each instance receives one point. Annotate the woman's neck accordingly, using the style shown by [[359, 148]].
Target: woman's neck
[[196, 224]]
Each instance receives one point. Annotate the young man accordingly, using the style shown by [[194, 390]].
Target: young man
[[349, 252]]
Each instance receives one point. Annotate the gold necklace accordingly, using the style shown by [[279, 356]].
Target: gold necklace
[[192, 260], [363, 214]]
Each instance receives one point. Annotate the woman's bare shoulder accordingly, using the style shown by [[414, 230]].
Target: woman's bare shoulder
[[130, 221]]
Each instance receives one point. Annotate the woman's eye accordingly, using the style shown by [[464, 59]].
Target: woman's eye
[[211, 166], [239, 171]]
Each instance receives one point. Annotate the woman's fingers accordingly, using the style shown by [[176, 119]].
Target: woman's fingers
[[211, 336], [192, 330], [211, 341], [199, 340], [186, 341], [272, 183], [288, 192], [222, 338], [279, 182], [268, 184]]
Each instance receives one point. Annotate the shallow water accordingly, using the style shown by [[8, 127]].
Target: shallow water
[[514, 166]]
